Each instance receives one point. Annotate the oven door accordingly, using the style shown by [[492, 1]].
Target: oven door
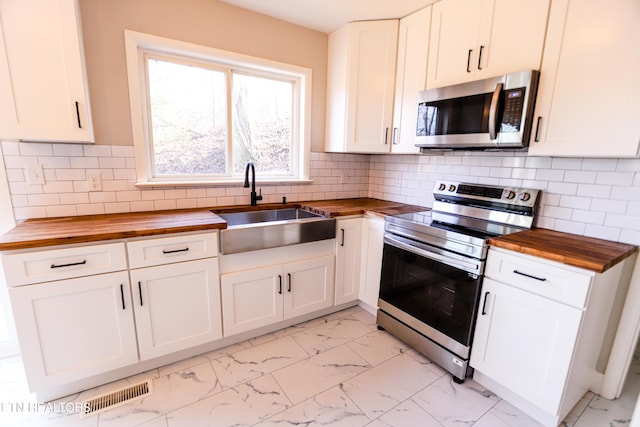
[[432, 290]]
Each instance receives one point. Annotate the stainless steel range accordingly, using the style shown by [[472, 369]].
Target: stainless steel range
[[433, 263]]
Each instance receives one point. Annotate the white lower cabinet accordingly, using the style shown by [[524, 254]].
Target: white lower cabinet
[[525, 342], [177, 306], [371, 261], [348, 244], [75, 328], [262, 296], [541, 329]]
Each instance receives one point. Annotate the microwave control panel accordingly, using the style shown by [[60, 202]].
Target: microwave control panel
[[512, 112]]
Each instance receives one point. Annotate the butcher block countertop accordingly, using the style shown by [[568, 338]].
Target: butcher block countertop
[[570, 249], [35, 233]]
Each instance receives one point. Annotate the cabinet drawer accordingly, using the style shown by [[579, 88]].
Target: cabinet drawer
[[57, 264], [541, 277], [165, 250]]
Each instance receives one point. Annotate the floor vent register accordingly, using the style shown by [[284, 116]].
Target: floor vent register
[[117, 398]]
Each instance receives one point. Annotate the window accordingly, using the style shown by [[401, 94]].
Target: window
[[200, 114]]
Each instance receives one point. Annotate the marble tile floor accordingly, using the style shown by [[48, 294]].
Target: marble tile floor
[[338, 370]]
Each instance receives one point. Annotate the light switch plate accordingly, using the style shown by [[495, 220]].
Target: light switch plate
[[35, 174]]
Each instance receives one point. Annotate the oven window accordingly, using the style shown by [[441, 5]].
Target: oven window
[[436, 294]]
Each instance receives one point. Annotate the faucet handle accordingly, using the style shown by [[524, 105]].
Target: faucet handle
[[259, 196]]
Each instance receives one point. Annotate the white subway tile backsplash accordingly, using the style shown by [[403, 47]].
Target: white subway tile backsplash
[[10, 148], [599, 164], [580, 177], [62, 210], [550, 175], [570, 226], [97, 150], [610, 205], [588, 217], [615, 178], [566, 188], [36, 149], [593, 190], [90, 209], [575, 202], [602, 232], [595, 197], [67, 150], [566, 163]]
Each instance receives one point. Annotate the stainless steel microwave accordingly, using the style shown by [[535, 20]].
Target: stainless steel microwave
[[495, 113]]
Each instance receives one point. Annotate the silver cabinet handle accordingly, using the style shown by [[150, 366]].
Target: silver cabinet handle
[[394, 138]]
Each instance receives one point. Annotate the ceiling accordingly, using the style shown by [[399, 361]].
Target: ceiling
[[329, 15]]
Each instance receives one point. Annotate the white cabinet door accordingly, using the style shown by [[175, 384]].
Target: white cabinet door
[[177, 306], [309, 286], [476, 39], [348, 244], [251, 299], [454, 34], [588, 100], [525, 343], [360, 87], [411, 75], [511, 37], [76, 328], [42, 72], [371, 262]]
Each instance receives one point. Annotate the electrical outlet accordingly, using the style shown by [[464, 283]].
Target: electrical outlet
[[35, 174], [343, 177], [94, 181]]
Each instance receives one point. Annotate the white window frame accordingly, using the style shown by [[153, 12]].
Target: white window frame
[[137, 44]]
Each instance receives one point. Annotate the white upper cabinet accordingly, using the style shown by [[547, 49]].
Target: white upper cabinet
[[42, 72], [411, 72], [588, 101], [473, 39], [360, 87]]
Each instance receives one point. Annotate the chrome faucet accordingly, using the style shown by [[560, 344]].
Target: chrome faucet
[[254, 197]]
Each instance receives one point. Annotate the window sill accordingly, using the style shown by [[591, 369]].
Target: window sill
[[156, 184]]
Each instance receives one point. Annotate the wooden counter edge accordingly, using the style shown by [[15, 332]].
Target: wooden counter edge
[[575, 261]]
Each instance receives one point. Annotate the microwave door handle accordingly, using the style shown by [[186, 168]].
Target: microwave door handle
[[493, 111]]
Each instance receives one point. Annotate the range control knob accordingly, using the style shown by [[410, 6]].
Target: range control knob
[[452, 188], [441, 187], [525, 197], [510, 194]]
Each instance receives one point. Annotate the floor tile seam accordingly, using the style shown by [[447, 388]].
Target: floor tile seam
[[148, 421], [410, 398], [490, 411], [210, 396]]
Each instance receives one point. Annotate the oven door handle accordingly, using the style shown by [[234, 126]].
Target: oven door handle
[[470, 267]]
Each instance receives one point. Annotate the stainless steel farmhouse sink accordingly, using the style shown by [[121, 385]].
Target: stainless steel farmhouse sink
[[263, 229]]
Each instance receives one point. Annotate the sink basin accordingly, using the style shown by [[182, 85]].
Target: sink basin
[[255, 217], [263, 229]]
